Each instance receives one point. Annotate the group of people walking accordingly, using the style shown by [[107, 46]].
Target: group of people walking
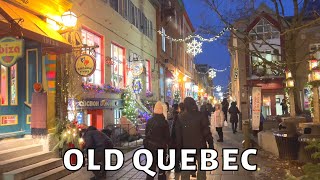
[[187, 126]]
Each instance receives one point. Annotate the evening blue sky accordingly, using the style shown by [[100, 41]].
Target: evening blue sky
[[216, 53]]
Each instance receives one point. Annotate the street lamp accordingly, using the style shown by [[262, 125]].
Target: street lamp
[[314, 79], [313, 63], [290, 83], [69, 19]]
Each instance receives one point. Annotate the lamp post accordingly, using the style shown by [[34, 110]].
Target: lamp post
[[290, 86], [314, 79]]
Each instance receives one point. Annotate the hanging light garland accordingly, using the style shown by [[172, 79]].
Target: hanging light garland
[[197, 36]]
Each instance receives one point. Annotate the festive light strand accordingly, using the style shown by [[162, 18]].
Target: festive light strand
[[192, 36]]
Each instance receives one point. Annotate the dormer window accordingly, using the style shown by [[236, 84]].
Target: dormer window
[[264, 30]]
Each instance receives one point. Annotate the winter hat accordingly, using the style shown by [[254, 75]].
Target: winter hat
[[158, 108]]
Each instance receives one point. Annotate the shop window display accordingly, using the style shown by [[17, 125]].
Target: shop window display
[[91, 39], [117, 74]]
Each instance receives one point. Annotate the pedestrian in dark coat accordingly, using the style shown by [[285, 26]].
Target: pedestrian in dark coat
[[193, 131], [225, 106], [157, 137], [98, 141], [173, 137], [234, 111]]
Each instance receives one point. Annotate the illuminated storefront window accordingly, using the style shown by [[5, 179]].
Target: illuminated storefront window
[[117, 74], [91, 39], [4, 86]]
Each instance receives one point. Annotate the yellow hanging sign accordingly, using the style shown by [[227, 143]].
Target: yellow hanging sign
[[10, 50]]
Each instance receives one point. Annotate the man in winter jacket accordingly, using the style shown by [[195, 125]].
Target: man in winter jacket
[[193, 131], [157, 137], [98, 141]]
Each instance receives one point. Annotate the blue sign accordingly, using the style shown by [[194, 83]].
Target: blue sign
[[99, 103], [80, 117]]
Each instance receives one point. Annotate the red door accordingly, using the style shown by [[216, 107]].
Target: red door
[[96, 118]]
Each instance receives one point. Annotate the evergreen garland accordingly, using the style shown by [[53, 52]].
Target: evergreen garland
[[129, 105]]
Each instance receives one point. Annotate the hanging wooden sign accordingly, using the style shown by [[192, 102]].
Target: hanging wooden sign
[[11, 49], [85, 65]]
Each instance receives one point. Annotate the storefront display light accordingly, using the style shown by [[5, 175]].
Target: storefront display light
[[69, 19], [288, 74]]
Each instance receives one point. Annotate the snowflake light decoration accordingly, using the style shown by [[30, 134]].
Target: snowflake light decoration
[[220, 94], [212, 74], [218, 88], [194, 47]]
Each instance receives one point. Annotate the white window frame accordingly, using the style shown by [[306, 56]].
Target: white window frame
[[97, 76], [119, 62]]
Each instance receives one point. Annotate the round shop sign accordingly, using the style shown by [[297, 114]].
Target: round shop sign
[[137, 69], [85, 65], [11, 49]]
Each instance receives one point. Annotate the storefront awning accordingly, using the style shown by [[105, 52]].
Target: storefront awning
[[32, 27], [169, 74]]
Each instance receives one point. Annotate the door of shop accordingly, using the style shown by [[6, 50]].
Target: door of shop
[[95, 118], [16, 91]]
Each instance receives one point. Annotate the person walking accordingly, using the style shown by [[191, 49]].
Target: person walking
[[217, 121], [98, 141], [157, 137], [173, 136], [192, 130], [225, 106], [284, 107], [234, 111]]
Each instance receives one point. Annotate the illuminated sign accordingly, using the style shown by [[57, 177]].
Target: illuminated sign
[[99, 104], [10, 50], [85, 65]]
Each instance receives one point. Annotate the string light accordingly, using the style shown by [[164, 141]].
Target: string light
[[197, 36], [219, 88]]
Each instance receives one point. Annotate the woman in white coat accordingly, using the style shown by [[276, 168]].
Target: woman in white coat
[[217, 119]]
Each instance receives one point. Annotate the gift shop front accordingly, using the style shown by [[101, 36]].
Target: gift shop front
[[29, 49], [98, 111]]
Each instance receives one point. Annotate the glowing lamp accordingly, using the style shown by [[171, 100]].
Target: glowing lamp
[[201, 90], [313, 63], [290, 83], [288, 74], [315, 74], [184, 78], [69, 19]]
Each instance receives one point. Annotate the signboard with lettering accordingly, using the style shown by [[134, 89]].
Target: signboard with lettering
[[96, 103], [256, 107], [11, 49], [7, 120], [85, 65]]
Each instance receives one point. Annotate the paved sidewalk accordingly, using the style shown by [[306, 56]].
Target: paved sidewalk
[[129, 172]]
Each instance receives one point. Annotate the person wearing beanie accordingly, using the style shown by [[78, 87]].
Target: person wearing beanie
[[157, 137]]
